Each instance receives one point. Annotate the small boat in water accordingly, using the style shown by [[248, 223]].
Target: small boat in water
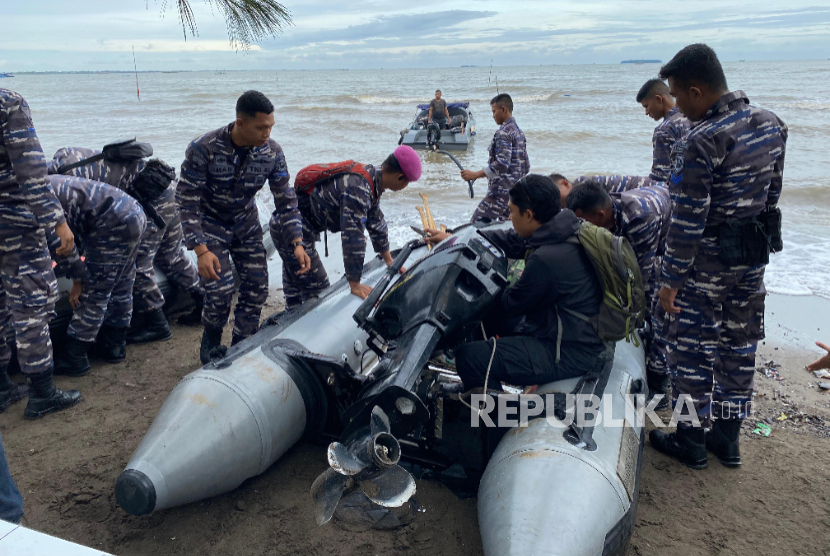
[[6, 74], [420, 134]]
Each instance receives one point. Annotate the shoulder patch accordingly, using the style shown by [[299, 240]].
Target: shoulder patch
[[678, 162]]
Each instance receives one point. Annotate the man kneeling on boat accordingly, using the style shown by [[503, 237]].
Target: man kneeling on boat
[[540, 339], [341, 197]]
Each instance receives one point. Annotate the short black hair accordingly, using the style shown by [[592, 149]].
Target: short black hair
[[252, 102], [537, 193], [391, 164], [652, 88], [589, 197], [503, 100], [696, 64], [556, 178], [437, 90]]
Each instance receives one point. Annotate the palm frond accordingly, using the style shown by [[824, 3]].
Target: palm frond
[[248, 21]]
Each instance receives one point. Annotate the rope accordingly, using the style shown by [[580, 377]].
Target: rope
[[486, 376]]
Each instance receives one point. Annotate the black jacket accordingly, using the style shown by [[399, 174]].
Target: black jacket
[[557, 274]]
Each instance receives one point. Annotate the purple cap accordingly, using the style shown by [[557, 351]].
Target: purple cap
[[409, 161]]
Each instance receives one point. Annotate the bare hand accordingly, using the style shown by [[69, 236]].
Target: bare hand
[[435, 236], [67, 239], [360, 290], [667, 296], [823, 363], [302, 258], [470, 175], [75, 294], [387, 258], [209, 266]]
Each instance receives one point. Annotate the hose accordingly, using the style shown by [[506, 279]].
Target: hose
[[470, 182]]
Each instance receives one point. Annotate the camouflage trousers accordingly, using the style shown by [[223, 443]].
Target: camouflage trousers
[[107, 297], [493, 206], [713, 340], [657, 347], [28, 292], [172, 259], [164, 247], [243, 243], [298, 288]]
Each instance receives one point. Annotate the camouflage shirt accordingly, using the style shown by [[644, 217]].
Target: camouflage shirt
[[117, 174], [26, 200], [617, 183], [91, 208], [730, 165], [221, 182], [508, 161], [349, 204], [673, 127], [642, 217]]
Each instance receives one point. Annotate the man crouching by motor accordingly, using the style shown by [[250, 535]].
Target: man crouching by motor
[[540, 338]]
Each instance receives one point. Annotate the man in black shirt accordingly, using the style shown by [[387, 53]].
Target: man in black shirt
[[438, 110]]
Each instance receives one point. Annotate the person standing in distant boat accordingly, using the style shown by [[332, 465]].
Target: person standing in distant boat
[[438, 112], [507, 164], [654, 96]]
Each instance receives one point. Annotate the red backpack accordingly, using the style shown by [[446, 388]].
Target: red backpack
[[308, 178]]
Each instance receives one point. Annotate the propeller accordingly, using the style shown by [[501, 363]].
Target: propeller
[[370, 461]]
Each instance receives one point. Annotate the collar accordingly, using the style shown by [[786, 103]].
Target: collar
[[377, 176], [725, 102], [617, 208], [510, 120], [225, 145], [671, 113]]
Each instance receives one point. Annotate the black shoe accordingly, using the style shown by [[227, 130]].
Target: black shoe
[[686, 444], [724, 441], [111, 344], [10, 392], [151, 327], [659, 384], [73, 360], [212, 347], [194, 317], [45, 398]]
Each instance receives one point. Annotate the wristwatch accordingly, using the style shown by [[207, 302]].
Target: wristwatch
[[296, 243]]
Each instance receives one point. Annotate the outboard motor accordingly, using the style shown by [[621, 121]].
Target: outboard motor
[[433, 136]]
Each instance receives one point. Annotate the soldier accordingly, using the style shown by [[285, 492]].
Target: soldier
[[611, 183], [222, 172], [149, 323], [507, 163], [28, 291], [344, 199], [725, 183], [108, 224], [642, 217], [654, 96]]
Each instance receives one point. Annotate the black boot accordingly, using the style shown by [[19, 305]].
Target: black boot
[[687, 444], [194, 317], [212, 347], [151, 327], [45, 398], [73, 360], [10, 392], [111, 344], [659, 384], [724, 441]]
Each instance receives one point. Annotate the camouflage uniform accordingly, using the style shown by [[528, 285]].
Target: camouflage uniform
[[618, 184], [673, 127], [108, 225], [28, 208], [163, 246], [729, 166], [346, 203], [507, 164], [216, 197]]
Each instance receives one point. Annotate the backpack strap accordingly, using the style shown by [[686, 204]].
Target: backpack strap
[[82, 162]]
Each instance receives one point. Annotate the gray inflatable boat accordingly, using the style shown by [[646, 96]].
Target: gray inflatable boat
[[364, 372], [458, 134]]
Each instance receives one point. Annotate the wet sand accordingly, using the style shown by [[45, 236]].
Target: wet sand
[[66, 466]]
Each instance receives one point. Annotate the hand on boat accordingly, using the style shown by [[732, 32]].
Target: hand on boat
[[75, 294], [435, 236], [209, 266], [303, 258], [667, 296], [360, 290], [387, 258], [823, 363]]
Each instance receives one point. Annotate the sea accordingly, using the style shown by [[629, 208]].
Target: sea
[[578, 119]]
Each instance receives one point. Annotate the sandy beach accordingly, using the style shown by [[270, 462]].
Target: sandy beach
[[66, 465]]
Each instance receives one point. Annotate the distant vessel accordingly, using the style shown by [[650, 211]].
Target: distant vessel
[[642, 62], [6, 75]]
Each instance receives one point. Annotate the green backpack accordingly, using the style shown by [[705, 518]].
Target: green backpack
[[622, 310]]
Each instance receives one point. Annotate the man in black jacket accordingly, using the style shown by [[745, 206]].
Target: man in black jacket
[[531, 348]]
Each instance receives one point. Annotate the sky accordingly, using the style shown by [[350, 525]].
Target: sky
[[98, 35]]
